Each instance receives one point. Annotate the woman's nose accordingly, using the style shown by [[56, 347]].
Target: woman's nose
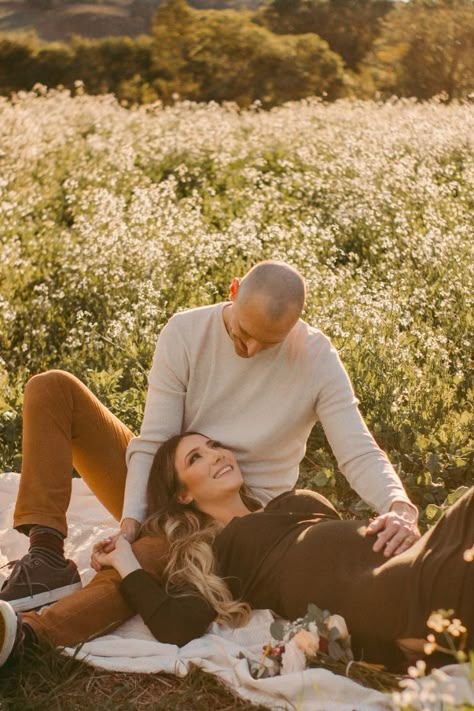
[[216, 454]]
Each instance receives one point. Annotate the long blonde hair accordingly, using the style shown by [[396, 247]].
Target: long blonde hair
[[190, 534]]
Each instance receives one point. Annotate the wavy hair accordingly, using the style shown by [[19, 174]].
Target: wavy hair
[[190, 534]]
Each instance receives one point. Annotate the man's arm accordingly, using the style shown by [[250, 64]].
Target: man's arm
[[163, 417], [360, 459]]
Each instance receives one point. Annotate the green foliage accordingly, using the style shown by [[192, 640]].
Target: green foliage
[[281, 51], [105, 65], [225, 56], [426, 48], [349, 26], [111, 220], [200, 55]]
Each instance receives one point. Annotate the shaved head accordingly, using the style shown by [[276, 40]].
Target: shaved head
[[279, 288]]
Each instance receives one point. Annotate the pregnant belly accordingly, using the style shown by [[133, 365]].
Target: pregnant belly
[[332, 564]]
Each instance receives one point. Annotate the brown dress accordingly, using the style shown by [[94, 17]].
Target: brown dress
[[298, 551]]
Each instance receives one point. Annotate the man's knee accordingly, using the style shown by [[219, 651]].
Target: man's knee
[[44, 381], [50, 384]]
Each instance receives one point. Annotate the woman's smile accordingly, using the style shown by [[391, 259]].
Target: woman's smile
[[222, 471]]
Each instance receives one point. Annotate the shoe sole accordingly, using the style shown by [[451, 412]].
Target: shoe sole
[[33, 601], [8, 627]]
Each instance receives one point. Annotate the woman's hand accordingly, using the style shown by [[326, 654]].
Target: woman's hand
[[396, 530], [115, 552], [107, 545]]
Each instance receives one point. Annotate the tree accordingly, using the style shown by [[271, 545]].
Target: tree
[[426, 48], [173, 30], [349, 26], [223, 55], [16, 59], [104, 64]]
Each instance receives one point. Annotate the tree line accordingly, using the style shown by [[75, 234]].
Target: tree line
[[283, 50]]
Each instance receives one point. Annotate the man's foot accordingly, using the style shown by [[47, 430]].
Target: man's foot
[[13, 633], [34, 583]]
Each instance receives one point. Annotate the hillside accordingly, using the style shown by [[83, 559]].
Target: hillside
[[56, 20]]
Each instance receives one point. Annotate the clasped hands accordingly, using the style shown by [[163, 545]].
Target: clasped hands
[[116, 551], [396, 530]]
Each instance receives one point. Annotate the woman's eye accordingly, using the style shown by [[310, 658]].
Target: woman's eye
[[216, 445], [193, 457]]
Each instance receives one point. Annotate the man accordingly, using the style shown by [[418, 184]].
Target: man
[[249, 373]]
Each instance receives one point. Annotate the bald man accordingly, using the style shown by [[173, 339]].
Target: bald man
[[249, 373]]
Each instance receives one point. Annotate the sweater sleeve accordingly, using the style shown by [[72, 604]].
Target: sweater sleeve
[[173, 620], [360, 459], [163, 416]]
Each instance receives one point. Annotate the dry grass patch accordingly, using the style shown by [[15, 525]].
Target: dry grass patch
[[49, 681]]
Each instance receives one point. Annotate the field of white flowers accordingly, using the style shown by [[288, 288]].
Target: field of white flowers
[[111, 220]]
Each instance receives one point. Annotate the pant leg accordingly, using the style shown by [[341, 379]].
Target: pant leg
[[99, 607], [65, 425]]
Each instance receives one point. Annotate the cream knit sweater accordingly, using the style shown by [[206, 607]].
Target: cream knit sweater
[[262, 407]]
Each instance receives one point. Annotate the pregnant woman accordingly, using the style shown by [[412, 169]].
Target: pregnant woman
[[226, 555]]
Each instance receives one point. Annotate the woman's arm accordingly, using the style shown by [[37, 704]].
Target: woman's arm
[[174, 620]]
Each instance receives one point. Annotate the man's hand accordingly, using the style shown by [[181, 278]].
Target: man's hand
[[129, 528], [396, 530]]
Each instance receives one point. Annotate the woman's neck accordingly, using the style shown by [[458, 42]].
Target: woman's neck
[[227, 509]]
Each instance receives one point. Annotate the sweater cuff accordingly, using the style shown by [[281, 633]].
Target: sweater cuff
[[134, 585], [409, 504]]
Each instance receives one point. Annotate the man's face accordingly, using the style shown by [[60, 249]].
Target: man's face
[[251, 329]]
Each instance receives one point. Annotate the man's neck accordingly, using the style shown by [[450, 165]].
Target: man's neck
[[226, 316]]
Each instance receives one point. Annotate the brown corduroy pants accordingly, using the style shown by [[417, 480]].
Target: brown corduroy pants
[[65, 425]]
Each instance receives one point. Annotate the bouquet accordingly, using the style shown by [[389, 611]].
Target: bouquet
[[319, 639]]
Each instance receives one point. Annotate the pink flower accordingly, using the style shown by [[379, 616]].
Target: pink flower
[[307, 641], [339, 623], [293, 658]]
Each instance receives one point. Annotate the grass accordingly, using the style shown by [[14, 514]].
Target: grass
[[49, 681]]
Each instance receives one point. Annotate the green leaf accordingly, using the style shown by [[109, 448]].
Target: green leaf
[[277, 630], [422, 442], [456, 494], [433, 512], [320, 479], [335, 651]]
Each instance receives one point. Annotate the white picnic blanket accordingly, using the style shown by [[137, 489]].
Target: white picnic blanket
[[132, 648]]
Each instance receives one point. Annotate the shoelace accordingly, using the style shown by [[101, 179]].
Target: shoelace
[[19, 566]]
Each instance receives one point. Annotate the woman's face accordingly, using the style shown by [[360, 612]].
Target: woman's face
[[207, 470]]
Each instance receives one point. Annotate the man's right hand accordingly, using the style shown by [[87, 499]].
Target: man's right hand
[[129, 528]]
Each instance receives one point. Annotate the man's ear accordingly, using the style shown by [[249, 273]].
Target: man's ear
[[234, 289]]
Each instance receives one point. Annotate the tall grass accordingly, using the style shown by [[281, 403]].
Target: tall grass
[[111, 220]]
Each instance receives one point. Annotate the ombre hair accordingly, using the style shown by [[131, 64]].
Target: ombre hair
[[190, 533]]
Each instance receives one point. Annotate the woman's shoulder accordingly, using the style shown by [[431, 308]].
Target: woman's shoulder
[[302, 501]]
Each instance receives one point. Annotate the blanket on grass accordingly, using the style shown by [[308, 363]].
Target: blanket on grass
[[131, 648]]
